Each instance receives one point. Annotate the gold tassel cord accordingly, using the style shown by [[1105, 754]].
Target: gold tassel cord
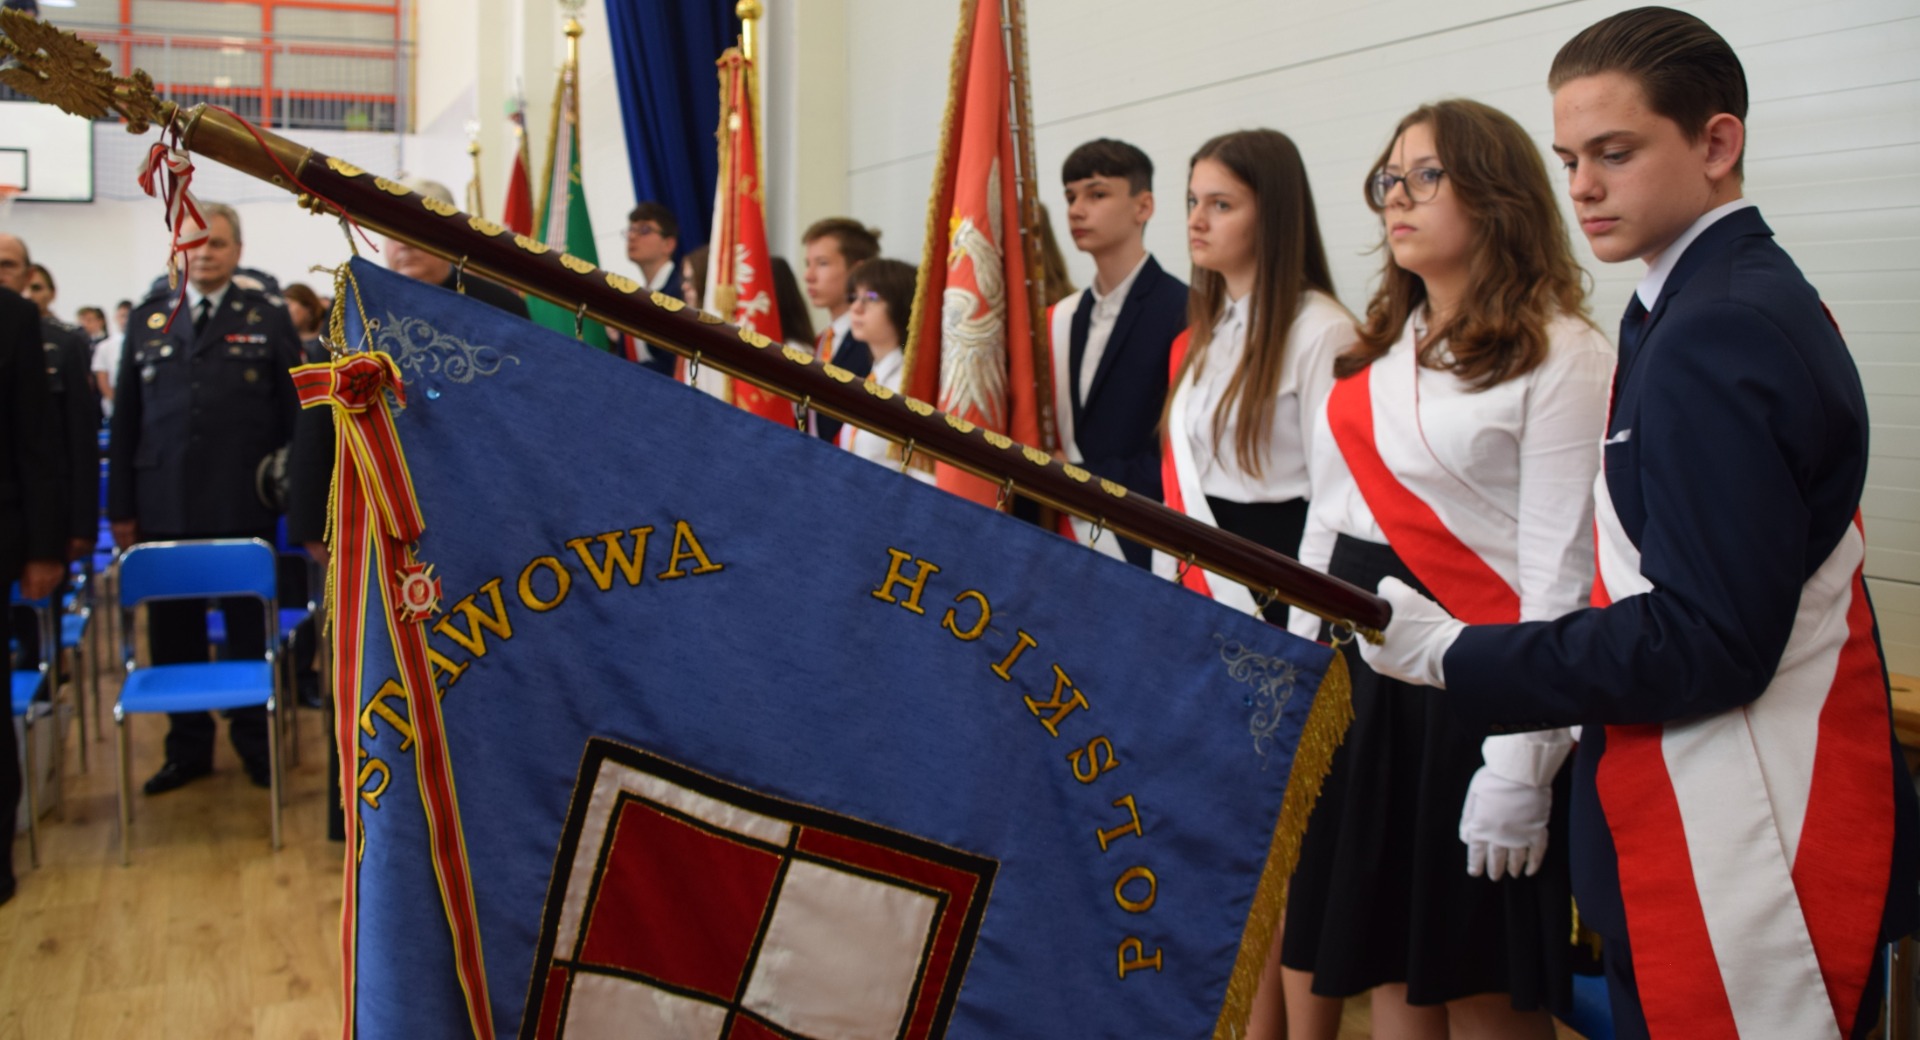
[[1325, 728]]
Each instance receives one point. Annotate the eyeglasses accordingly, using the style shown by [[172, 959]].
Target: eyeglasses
[[641, 230], [1422, 184], [864, 296]]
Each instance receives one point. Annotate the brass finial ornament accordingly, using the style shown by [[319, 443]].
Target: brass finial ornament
[[63, 70], [749, 13]]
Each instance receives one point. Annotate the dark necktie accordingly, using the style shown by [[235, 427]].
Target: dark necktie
[[1077, 347], [1633, 325], [200, 312]]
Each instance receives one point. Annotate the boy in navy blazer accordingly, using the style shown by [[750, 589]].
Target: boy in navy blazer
[[834, 247], [1111, 340], [1743, 829]]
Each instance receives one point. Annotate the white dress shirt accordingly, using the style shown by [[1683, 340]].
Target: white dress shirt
[[1321, 331], [887, 371], [1106, 311], [643, 353], [842, 327], [106, 355], [659, 282], [194, 296], [1516, 461]]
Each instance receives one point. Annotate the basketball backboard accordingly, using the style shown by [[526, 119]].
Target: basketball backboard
[[45, 152]]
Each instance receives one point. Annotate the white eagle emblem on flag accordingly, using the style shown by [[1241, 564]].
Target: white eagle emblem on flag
[[973, 325]]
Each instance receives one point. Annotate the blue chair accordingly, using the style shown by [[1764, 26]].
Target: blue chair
[[27, 686], [81, 664], [209, 569], [301, 582]]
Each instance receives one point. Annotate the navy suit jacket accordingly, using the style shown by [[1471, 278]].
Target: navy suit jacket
[[1736, 455], [855, 356], [1117, 427]]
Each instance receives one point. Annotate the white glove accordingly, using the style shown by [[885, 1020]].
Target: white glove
[[1504, 820], [1417, 637]]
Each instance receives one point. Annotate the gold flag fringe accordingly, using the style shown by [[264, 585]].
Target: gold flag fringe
[[1326, 727]]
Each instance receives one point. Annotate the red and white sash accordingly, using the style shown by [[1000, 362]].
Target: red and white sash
[[1180, 482], [1755, 845], [1455, 543], [1060, 325]]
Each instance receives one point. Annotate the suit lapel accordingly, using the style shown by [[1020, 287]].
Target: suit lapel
[[1735, 225], [1123, 325]]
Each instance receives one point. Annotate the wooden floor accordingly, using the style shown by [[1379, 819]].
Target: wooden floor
[[208, 935]]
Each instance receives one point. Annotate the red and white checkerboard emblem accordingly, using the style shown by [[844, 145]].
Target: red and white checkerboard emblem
[[686, 907]]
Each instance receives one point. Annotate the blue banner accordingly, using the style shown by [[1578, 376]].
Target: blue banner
[[754, 738]]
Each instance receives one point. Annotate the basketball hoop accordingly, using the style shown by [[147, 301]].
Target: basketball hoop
[[8, 192]]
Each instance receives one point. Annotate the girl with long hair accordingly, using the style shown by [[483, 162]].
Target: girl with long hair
[[1257, 356], [1457, 452]]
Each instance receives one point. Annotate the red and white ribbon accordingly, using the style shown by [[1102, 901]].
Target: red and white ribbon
[[167, 175]]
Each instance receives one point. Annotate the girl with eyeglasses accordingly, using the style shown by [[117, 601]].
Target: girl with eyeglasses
[[1456, 451], [882, 303], [1263, 329]]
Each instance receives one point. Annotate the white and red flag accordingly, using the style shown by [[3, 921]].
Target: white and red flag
[[740, 266], [974, 346]]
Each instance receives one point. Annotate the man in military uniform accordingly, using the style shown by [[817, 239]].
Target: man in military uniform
[[197, 406]]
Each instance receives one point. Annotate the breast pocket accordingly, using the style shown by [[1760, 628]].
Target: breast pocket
[[248, 367], [1617, 448]]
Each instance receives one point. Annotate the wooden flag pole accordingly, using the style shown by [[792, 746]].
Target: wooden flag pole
[[63, 74], [1015, 16]]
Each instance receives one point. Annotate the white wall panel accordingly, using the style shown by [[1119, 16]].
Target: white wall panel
[[1833, 154]]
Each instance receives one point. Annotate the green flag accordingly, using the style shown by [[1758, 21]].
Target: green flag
[[564, 223]]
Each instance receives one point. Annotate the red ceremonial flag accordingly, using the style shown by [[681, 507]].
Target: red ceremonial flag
[[518, 212], [740, 268], [973, 344]]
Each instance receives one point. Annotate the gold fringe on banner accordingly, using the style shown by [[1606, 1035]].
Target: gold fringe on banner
[[1326, 727]]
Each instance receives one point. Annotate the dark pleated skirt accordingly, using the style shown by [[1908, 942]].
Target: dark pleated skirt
[[1381, 894], [1276, 525]]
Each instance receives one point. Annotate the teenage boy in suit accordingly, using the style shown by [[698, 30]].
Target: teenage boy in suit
[[1743, 830], [834, 247], [1111, 340]]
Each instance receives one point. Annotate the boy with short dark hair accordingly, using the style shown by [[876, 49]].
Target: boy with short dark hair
[[653, 236], [834, 247], [1112, 339], [1744, 833]]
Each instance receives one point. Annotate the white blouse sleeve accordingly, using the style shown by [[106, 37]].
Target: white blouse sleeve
[[1314, 378], [1314, 381], [1559, 456], [1326, 466]]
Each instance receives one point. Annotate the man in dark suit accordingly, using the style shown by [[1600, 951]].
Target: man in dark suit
[[32, 485], [197, 406], [1111, 340], [834, 247], [1744, 833], [71, 402]]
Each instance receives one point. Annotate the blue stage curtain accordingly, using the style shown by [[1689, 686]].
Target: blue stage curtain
[[663, 63]]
